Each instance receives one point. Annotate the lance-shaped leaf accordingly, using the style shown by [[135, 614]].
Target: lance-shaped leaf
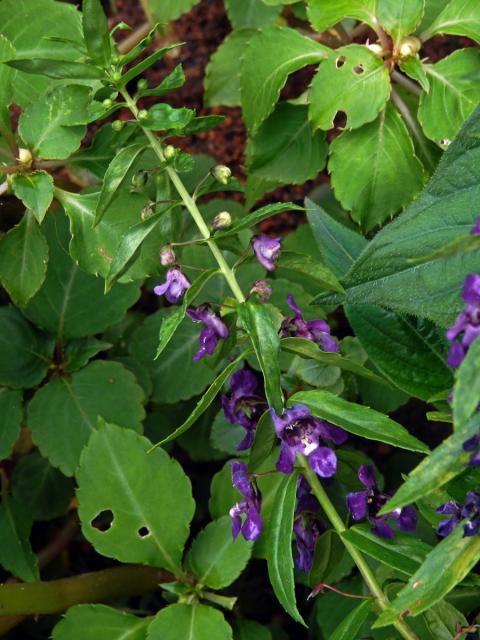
[[57, 69], [272, 55], [357, 419], [16, 553], [459, 18], [96, 32], [11, 415], [351, 626], [400, 17], [251, 219], [35, 190], [192, 621], [145, 64], [174, 80], [466, 394], [324, 13], [93, 621]]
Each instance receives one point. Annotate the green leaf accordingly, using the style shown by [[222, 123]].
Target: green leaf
[[459, 18], [35, 190], [72, 303], [23, 259], [256, 217], [222, 76], [57, 69], [446, 565], [41, 489], [63, 413], [116, 175], [442, 465], [11, 412], [96, 32], [279, 546], [16, 553], [400, 17], [250, 630], [7, 50], [351, 626], [442, 621], [325, 13], [353, 80], [264, 441], [215, 558], [313, 268], [453, 90], [146, 63], [415, 68], [285, 150], [271, 56], [143, 530], [163, 117], [446, 210], [24, 355], [406, 351], [374, 169], [174, 80], [251, 13], [466, 394], [357, 419], [225, 436], [260, 323], [164, 11], [189, 622], [94, 621]]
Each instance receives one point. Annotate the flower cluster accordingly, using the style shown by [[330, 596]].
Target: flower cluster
[[367, 504], [215, 330], [316, 330], [469, 513], [249, 507], [245, 404], [307, 526]]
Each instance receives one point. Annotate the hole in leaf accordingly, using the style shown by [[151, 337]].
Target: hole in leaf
[[103, 521], [143, 532], [340, 120], [339, 62], [358, 69]]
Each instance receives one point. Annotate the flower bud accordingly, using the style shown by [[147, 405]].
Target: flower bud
[[221, 173], [222, 220], [117, 125], [106, 104], [142, 114], [117, 76], [262, 289], [167, 256], [409, 46], [25, 157], [376, 48], [139, 179], [169, 152], [147, 211], [142, 84]]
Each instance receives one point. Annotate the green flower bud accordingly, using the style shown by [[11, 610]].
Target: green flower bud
[[222, 220], [142, 84], [221, 173], [117, 125], [106, 104], [25, 157], [409, 47], [139, 179], [142, 114], [170, 152], [117, 76]]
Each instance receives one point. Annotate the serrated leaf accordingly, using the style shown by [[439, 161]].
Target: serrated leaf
[[23, 259], [11, 415], [251, 13], [400, 17], [189, 621], [415, 69], [453, 90], [35, 190], [324, 13], [353, 80], [374, 169], [271, 56], [94, 621], [351, 626], [96, 32], [215, 558], [64, 413], [255, 217], [357, 419], [313, 268], [16, 553], [466, 393], [144, 530], [459, 17]]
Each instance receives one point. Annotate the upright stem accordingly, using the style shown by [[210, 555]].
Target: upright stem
[[408, 84], [189, 203], [357, 557], [413, 126]]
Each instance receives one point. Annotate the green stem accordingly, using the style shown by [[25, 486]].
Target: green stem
[[413, 126], [362, 565], [189, 203]]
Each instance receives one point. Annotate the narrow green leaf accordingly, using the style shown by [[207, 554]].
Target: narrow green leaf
[[11, 415], [57, 69], [314, 269], [325, 13], [174, 80], [16, 553], [256, 217], [466, 394], [146, 63], [357, 419], [189, 622], [35, 190], [264, 441], [351, 626], [94, 621], [96, 32]]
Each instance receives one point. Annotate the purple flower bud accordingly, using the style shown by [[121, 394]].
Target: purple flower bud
[[267, 250], [316, 330], [167, 256], [466, 328], [249, 507], [262, 289], [174, 286], [214, 331], [473, 445], [244, 405], [476, 228], [307, 526]]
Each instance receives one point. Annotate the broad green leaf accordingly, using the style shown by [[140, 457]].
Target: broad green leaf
[[442, 465], [44, 125], [225, 436], [164, 11], [279, 546], [314, 269], [96, 32], [57, 69], [41, 489], [35, 190], [23, 259], [466, 394], [259, 321], [445, 566], [63, 413], [222, 76], [284, 151], [7, 50], [374, 169], [25, 355], [357, 419], [175, 362], [339, 245], [94, 621], [353, 80], [250, 630], [148, 495], [215, 558], [163, 117], [251, 13], [459, 18], [189, 622], [400, 17], [415, 68], [453, 90], [385, 273], [325, 13], [72, 303], [407, 351], [11, 415], [16, 553], [255, 217], [271, 56], [351, 626], [116, 175]]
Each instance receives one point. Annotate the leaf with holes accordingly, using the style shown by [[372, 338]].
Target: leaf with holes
[[459, 18], [192, 621], [11, 415], [35, 190], [64, 412], [325, 13], [16, 553], [94, 621], [146, 498]]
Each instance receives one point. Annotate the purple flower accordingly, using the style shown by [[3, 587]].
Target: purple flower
[[174, 286], [306, 527], [468, 512], [300, 432], [244, 405], [473, 444], [267, 250], [475, 229], [367, 503], [467, 325], [214, 331], [452, 509], [316, 330], [262, 289], [249, 507]]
